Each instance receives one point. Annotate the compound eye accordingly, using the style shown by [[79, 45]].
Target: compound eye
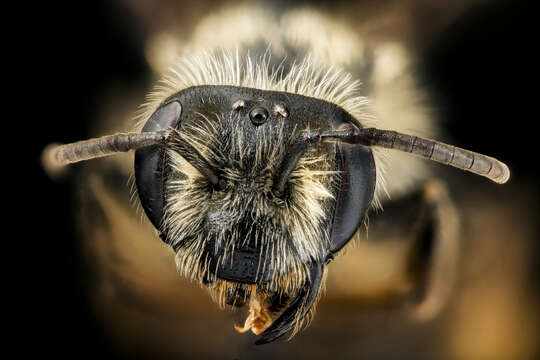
[[258, 116]]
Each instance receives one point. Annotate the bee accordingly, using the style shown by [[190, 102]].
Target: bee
[[258, 156]]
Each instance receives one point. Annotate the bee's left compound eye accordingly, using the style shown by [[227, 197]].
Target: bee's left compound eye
[[258, 116]]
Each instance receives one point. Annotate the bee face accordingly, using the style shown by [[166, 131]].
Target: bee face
[[221, 208]]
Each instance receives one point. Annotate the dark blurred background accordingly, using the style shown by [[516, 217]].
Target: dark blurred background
[[478, 61]]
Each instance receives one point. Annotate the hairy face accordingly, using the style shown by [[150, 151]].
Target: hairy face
[[242, 231], [253, 209]]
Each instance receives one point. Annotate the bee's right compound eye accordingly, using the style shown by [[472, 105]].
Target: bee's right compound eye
[[149, 163], [258, 116]]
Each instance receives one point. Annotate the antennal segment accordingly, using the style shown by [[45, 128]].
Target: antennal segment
[[451, 155], [55, 156]]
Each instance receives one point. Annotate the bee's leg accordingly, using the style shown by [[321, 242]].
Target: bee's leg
[[428, 222]]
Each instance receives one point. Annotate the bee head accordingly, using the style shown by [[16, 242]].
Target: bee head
[[241, 197]]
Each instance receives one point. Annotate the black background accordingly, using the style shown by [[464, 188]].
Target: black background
[[483, 68]]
